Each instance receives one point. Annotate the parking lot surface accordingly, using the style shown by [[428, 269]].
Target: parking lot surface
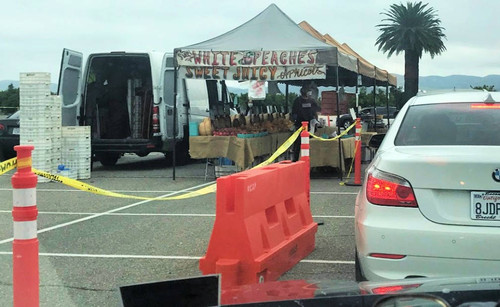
[[90, 245]]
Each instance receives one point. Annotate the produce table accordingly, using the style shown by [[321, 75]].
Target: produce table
[[366, 136], [327, 153], [242, 151]]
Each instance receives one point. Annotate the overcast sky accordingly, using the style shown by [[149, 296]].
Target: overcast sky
[[35, 32]]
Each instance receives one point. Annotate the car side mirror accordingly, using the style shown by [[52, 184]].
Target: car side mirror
[[376, 140]]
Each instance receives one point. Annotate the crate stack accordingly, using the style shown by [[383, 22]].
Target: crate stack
[[76, 151], [35, 121]]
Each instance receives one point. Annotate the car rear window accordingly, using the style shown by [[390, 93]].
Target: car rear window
[[14, 116], [450, 124]]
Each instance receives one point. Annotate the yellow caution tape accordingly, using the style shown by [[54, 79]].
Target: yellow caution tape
[[8, 165], [282, 148], [350, 168], [11, 164], [335, 138], [89, 188]]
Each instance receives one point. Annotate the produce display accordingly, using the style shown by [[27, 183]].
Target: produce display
[[245, 126]]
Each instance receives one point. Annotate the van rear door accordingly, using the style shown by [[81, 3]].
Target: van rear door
[[69, 87], [168, 98]]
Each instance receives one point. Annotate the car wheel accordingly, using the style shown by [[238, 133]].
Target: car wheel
[[357, 268], [347, 124], [109, 159]]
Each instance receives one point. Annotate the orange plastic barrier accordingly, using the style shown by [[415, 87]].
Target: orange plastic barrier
[[269, 292], [263, 224]]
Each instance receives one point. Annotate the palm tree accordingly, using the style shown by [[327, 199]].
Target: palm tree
[[413, 28]]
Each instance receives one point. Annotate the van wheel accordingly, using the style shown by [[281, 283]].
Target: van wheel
[[109, 159], [347, 124], [357, 268]]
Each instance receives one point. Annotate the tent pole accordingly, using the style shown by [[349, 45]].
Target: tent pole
[[374, 100], [357, 95], [338, 126], [286, 98], [175, 119], [387, 103]]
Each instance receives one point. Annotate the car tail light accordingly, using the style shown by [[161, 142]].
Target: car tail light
[[484, 106], [389, 190], [394, 288], [2, 127], [156, 119], [387, 256]]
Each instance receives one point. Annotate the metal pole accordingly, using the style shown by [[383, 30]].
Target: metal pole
[[338, 126], [357, 156], [175, 118], [374, 99], [387, 96], [286, 99], [357, 94]]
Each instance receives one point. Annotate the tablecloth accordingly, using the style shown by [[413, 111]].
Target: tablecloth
[[242, 151], [327, 153]]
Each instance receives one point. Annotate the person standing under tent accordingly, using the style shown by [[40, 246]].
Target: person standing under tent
[[304, 109]]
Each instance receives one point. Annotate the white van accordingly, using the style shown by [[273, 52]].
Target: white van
[[127, 99]]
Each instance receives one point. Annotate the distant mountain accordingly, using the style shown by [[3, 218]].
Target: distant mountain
[[4, 84], [425, 83], [453, 82]]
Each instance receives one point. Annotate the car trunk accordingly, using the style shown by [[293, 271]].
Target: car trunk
[[118, 98], [445, 185]]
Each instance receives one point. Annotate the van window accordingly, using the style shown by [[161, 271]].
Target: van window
[[70, 77]]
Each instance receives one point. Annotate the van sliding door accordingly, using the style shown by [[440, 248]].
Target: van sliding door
[[168, 95], [69, 86]]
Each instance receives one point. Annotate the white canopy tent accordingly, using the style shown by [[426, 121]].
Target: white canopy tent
[[269, 47]]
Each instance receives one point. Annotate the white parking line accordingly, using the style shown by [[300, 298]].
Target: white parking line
[[108, 212], [80, 191], [335, 193], [149, 191], [163, 257], [118, 214], [327, 261], [161, 214]]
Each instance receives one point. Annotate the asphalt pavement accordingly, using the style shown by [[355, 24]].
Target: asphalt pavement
[[90, 245]]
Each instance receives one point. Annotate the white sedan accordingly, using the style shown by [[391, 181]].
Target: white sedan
[[430, 201]]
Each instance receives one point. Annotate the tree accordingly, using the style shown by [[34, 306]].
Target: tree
[[277, 100], [365, 99], [413, 29], [489, 88], [9, 99]]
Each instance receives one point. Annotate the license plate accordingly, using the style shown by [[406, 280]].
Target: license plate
[[15, 131], [485, 206]]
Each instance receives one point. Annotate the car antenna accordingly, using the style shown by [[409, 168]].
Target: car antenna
[[489, 99]]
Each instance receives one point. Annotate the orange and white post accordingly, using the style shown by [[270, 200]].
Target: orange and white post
[[357, 157], [304, 156], [25, 245]]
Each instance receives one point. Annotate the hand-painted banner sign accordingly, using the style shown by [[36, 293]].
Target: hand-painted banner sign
[[260, 73], [250, 65]]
